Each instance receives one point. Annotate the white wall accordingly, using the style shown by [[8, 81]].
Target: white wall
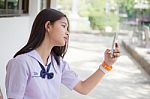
[[14, 33]]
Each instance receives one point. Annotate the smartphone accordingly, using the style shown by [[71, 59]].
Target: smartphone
[[113, 43]]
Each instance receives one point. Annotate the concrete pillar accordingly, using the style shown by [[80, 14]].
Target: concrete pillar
[[34, 9], [20, 7], [147, 36], [54, 4], [107, 7], [74, 9]]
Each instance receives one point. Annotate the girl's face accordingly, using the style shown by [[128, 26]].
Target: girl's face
[[58, 33]]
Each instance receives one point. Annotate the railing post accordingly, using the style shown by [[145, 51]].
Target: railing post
[[147, 36]]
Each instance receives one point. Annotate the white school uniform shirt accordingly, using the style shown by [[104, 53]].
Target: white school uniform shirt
[[23, 79]]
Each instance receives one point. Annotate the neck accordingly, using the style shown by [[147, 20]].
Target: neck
[[44, 51]]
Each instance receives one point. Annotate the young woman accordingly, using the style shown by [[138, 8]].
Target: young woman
[[38, 69]]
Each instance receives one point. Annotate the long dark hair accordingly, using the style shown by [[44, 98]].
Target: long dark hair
[[38, 33]]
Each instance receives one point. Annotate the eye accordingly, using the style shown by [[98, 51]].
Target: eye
[[63, 26]]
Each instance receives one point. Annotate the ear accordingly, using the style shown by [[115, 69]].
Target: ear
[[48, 26]]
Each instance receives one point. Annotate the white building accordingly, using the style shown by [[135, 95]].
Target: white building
[[16, 17]]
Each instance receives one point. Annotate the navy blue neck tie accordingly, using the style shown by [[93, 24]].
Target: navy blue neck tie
[[44, 72]]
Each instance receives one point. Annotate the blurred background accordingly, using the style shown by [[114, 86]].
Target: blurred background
[[92, 24]]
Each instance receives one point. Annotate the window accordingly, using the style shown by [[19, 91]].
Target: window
[[13, 7], [25, 6]]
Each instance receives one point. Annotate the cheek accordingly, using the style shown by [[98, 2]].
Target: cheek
[[57, 39], [57, 36]]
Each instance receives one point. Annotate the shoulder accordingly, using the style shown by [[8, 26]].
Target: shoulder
[[64, 64], [19, 61], [63, 61]]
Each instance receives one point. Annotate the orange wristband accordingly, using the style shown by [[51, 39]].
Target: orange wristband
[[106, 66]]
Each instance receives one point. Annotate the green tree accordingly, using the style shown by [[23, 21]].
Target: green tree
[[127, 6], [95, 10], [98, 17]]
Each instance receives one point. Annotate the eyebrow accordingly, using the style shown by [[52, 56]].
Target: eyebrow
[[64, 22]]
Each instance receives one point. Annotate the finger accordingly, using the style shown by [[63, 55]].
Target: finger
[[116, 54], [117, 51], [113, 57], [107, 51]]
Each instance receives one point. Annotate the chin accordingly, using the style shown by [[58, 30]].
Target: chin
[[61, 44]]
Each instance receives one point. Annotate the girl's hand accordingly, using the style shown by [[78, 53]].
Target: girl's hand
[[110, 58]]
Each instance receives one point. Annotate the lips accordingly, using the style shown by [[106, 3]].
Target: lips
[[66, 39]]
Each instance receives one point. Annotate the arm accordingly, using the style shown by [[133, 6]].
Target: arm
[[1, 95], [84, 87]]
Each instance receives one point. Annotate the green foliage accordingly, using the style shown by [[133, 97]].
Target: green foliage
[[1, 4], [84, 10], [96, 22], [98, 18], [127, 6], [95, 10], [101, 21]]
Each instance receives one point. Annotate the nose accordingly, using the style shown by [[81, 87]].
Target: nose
[[67, 33]]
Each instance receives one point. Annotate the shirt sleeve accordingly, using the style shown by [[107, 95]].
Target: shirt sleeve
[[69, 78], [16, 78]]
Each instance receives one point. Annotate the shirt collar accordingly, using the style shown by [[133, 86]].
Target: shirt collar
[[34, 54]]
